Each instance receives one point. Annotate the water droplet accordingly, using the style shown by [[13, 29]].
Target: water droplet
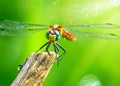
[[90, 80]]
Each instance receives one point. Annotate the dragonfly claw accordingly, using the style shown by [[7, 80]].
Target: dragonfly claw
[[48, 52]]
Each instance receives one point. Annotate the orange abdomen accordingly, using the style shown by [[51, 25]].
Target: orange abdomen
[[68, 35]]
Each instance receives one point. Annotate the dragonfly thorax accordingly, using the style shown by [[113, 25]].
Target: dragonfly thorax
[[63, 33], [53, 35]]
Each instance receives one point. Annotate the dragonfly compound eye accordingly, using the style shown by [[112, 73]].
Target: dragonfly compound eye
[[47, 34], [52, 35], [57, 37]]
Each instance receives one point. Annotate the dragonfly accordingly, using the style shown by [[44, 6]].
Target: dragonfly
[[55, 32]]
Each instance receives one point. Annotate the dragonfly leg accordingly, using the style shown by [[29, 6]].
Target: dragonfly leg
[[21, 65], [42, 47], [55, 49], [61, 56], [49, 43]]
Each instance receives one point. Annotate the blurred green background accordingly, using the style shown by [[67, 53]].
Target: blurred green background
[[88, 62]]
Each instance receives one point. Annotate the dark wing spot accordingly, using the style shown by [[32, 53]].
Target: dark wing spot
[[2, 29], [114, 34], [2, 19], [30, 29], [109, 23]]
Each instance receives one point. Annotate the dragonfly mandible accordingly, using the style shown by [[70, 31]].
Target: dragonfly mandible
[[55, 32]]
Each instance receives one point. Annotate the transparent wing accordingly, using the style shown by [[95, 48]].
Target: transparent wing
[[104, 31], [94, 26], [13, 28]]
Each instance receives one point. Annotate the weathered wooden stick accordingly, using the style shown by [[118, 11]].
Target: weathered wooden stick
[[35, 70]]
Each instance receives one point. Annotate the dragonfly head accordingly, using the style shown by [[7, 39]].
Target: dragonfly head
[[53, 35], [57, 27]]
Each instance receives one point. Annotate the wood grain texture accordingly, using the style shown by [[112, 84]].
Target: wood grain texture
[[35, 69]]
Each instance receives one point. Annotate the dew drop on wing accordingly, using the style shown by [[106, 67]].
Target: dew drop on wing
[[12, 28]]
